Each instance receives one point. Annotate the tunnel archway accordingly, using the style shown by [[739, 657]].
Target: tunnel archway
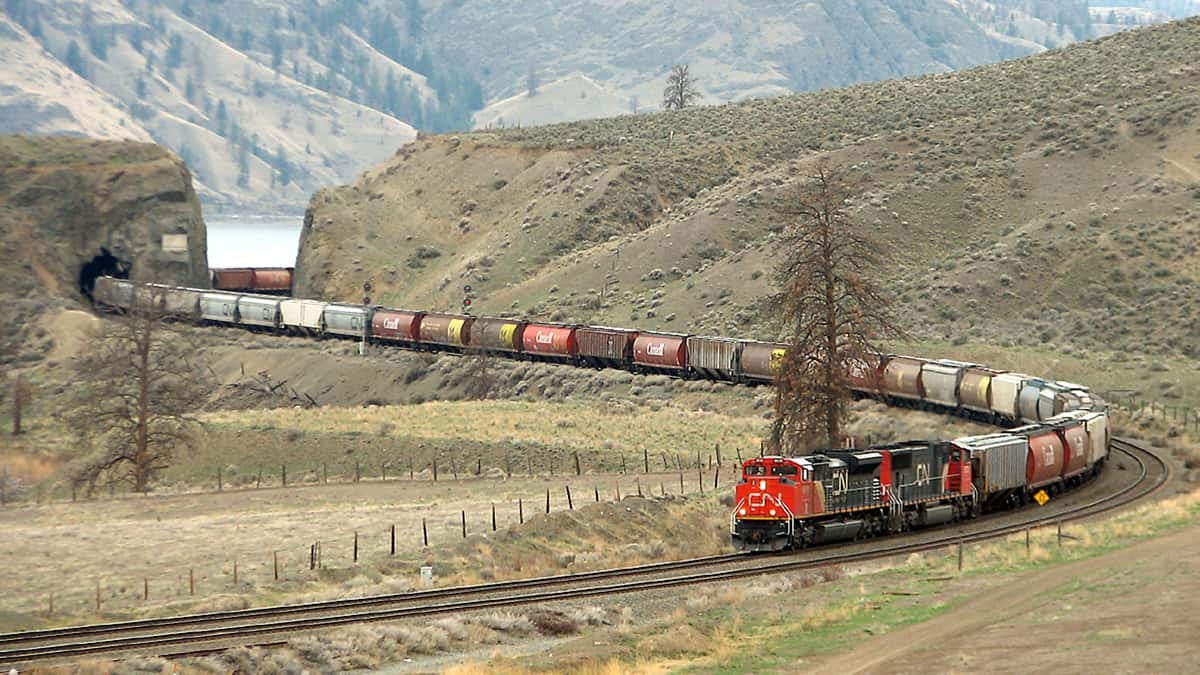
[[105, 264]]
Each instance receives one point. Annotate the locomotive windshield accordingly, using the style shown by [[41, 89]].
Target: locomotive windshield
[[783, 470], [756, 470]]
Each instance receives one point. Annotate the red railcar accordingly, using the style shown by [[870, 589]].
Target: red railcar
[[902, 378], [256, 279], [1075, 446], [549, 341], [1047, 456], [660, 352], [396, 325]]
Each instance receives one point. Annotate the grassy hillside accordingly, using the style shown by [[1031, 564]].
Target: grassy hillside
[[1050, 203]]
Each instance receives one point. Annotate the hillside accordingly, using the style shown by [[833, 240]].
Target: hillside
[[267, 102], [1049, 203]]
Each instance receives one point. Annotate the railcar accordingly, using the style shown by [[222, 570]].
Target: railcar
[[902, 381], [761, 362], [271, 280], [302, 316], [605, 347], [715, 358], [446, 332], [218, 307], [498, 336], [549, 342], [397, 326], [348, 320], [257, 310], [661, 353]]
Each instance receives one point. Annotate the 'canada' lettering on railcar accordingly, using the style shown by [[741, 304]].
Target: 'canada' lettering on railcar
[[656, 349]]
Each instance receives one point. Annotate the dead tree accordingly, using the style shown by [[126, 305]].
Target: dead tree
[[136, 394], [480, 376], [681, 90], [832, 309]]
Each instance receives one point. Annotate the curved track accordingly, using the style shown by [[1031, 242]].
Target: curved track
[[211, 631]]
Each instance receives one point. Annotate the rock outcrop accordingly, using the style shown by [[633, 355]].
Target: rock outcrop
[[74, 208]]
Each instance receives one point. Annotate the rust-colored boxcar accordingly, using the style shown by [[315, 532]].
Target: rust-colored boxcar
[[396, 325], [902, 378], [233, 279], [662, 352], [605, 347], [761, 361], [450, 330], [498, 335], [549, 341]]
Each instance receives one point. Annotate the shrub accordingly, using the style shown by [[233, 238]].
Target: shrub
[[553, 624]]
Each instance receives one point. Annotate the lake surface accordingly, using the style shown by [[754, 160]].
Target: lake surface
[[253, 241]]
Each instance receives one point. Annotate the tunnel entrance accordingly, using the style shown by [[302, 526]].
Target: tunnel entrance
[[105, 264]]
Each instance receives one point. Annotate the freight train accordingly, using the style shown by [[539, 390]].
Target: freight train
[[1060, 436]]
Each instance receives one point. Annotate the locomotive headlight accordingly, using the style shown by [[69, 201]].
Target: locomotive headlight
[[772, 511], [762, 485], [742, 512]]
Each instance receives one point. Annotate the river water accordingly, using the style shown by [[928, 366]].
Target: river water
[[253, 241]]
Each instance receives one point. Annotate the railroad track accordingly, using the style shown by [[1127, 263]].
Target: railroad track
[[201, 633]]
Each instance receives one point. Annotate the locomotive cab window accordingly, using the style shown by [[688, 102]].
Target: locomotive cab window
[[783, 470], [756, 470]]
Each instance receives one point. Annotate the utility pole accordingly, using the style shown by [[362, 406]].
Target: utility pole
[[362, 347]]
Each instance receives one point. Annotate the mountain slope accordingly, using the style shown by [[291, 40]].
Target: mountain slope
[[1049, 203]]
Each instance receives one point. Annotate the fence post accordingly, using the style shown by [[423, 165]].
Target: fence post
[[645, 461], [191, 581], [718, 449], [739, 455], [700, 479], [324, 473], [357, 471], [97, 596], [283, 473], [356, 546], [435, 469], [681, 483], [275, 562], [521, 511], [547, 500], [393, 546], [145, 589], [312, 556], [578, 471], [235, 574], [622, 462], [597, 491], [662, 487], [424, 533], [570, 503], [478, 466], [716, 476], [617, 489], [464, 523], [638, 482], [493, 516]]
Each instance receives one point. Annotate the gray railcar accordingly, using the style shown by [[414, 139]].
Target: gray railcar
[[346, 320], [220, 307]]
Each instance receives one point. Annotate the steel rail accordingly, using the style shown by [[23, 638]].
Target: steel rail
[[1145, 485]]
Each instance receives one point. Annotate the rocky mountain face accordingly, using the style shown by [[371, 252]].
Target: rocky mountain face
[[1047, 204], [267, 102], [71, 207]]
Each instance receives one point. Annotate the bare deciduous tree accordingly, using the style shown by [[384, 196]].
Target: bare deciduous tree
[[833, 311], [138, 389], [681, 90]]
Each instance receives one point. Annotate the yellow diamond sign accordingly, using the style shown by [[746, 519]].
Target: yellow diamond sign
[[1041, 497]]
